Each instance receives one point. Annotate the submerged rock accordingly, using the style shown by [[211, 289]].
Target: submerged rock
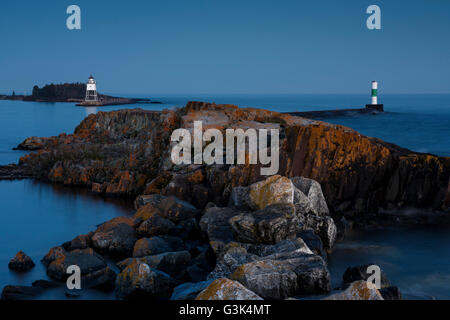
[[226, 289], [21, 262]]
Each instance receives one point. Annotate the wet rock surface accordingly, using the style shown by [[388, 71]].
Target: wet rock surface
[[21, 262]]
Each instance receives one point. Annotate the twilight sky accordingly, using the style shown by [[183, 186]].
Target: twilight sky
[[232, 46]]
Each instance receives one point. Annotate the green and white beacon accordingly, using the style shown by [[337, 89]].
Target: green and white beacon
[[374, 105]]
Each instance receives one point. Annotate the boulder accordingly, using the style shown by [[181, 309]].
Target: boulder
[[214, 223], [115, 237], [358, 290], [138, 280], [269, 279], [146, 212], [324, 227], [283, 275], [156, 245], [177, 210], [53, 254], [226, 289], [189, 290], [234, 257], [172, 263], [80, 242], [313, 242], [155, 226], [270, 225], [21, 262], [103, 279], [313, 191], [240, 198], [302, 203], [87, 260], [273, 190]]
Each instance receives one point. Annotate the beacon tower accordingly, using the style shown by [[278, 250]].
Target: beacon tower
[[374, 99], [91, 90]]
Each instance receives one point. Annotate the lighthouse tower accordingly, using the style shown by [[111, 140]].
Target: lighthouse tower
[[374, 99], [91, 90]]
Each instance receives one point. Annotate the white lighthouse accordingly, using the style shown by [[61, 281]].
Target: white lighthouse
[[91, 90], [374, 99]]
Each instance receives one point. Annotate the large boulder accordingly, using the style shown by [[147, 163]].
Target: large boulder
[[270, 225], [358, 290], [156, 245], [21, 262], [155, 226], [274, 271], [284, 275], [115, 237], [273, 190], [268, 278], [138, 280], [313, 191], [226, 289]]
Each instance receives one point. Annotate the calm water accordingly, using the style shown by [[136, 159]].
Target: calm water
[[35, 216]]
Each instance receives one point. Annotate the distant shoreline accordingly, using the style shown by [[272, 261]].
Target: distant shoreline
[[103, 101]]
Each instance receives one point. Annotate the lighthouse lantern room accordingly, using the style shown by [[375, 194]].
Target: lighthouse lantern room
[[91, 90]]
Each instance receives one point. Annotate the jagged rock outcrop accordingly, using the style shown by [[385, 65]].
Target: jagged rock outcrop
[[127, 152]]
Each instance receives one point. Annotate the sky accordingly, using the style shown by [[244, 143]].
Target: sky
[[227, 47]]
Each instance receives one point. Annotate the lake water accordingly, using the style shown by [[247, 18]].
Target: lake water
[[36, 216]]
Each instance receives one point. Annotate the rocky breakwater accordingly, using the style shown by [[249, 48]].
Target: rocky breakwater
[[211, 231], [251, 249]]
